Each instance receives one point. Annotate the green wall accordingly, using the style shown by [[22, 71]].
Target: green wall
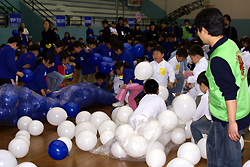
[[151, 10]]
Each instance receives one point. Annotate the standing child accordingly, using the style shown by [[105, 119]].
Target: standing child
[[39, 84], [66, 38], [56, 30], [89, 30], [130, 83], [22, 36], [100, 83], [113, 29]]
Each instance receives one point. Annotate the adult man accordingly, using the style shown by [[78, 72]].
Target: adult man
[[230, 32]]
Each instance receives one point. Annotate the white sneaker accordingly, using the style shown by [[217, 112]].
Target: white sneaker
[[118, 104]]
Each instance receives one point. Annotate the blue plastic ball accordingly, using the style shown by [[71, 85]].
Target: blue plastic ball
[[28, 76], [138, 50], [15, 33], [4, 114], [107, 59], [72, 109], [96, 59], [8, 99], [104, 68], [51, 104], [24, 109], [24, 95], [58, 150], [39, 103]]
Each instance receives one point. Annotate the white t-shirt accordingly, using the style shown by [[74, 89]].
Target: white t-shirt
[[113, 30], [246, 60], [150, 105], [162, 71], [203, 108], [175, 65]]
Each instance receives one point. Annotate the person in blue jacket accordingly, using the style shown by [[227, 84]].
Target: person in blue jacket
[[100, 83], [123, 54], [55, 30], [88, 70], [66, 38], [7, 64], [53, 71], [89, 30], [28, 60], [22, 36], [105, 50], [39, 84]]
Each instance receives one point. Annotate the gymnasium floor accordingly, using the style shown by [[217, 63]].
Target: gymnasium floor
[[77, 158]]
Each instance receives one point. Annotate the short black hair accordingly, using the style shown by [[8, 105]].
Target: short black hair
[[49, 57], [118, 45], [72, 38], [171, 35], [159, 48], [80, 38], [15, 39], [141, 39], [100, 75], [105, 22], [212, 20], [185, 43], [120, 64], [92, 41], [228, 17], [89, 25], [196, 50], [20, 29], [76, 44], [127, 37], [101, 31], [55, 29], [63, 55], [120, 18], [125, 20], [151, 86], [151, 44], [182, 52], [35, 47], [202, 78], [186, 20]]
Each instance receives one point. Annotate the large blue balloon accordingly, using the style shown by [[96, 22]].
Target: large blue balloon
[[104, 68], [67, 96], [28, 76], [51, 104], [138, 50], [96, 59], [79, 101], [87, 96], [15, 33], [4, 114], [127, 46], [39, 103], [24, 109], [72, 109], [24, 95], [107, 59], [58, 150], [8, 99], [102, 96]]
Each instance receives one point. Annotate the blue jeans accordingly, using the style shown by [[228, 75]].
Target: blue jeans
[[200, 127], [51, 80], [221, 150], [176, 88]]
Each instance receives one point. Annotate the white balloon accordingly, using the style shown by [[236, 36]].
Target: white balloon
[[136, 146], [123, 114], [106, 136], [152, 130], [85, 126], [26, 164], [189, 151], [24, 138], [7, 159], [246, 164], [203, 148], [117, 151], [241, 142], [23, 122], [123, 131], [192, 140], [107, 125], [143, 71], [114, 113], [82, 116], [163, 92], [166, 138], [155, 145], [170, 108], [155, 158], [117, 122], [98, 117], [66, 129], [168, 120], [35, 128], [178, 136], [23, 132], [56, 115], [180, 162], [67, 141], [188, 129], [18, 147], [184, 107], [86, 140]]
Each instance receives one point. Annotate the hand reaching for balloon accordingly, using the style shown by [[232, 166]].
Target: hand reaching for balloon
[[170, 85], [48, 91], [86, 50], [65, 67]]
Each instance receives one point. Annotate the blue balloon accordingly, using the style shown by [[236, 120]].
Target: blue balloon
[[36, 116], [104, 68], [96, 59], [24, 109], [138, 50], [67, 96], [24, 94], [107, 59], [58, 150], [95, 95], [39, 103], [15, 33], [127, 46], [43, 116], [8, 99], [51, 104], [72, 109], [13, 121], [4, 114], [87, 96], [102, 96], [69, 71], [79, 101], [28, 76]]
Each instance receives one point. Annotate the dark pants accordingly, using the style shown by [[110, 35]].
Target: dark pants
[[200, 127], [5, 81]]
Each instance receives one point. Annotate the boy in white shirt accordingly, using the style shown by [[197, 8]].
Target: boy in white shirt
[[150, 105], [162, 69], [180, 56], [201, 124], [113, 29], [197, 55]]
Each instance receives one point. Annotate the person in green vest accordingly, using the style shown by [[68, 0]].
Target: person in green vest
[[186, 30], [229, 101]]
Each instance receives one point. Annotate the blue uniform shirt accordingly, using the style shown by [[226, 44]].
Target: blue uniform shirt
[[56, 62], [86, 67], [128, 75], [26, 58], [24, 40], [104, 51], [126, 56], [100, 86], [88, 31]]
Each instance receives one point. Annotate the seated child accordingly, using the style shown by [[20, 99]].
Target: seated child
[[202, 118], [150, 105], [99, 77], [39, 84]]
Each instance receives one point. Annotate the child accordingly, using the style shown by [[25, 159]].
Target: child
[[197, 55], [181, 55], [123, 54], [72, 40], [99, 38], [162, 69], [23, 49], [66, 38], [137, 31], [147, 27], [22, 36], [29, 45], [112, 28], [202, 118], [105, 50], [168, 46], [7, 64], [87, 69], [150, 105], [150, 45], [100, 83], [130, 83], [89, 30], [152, 34], [56, 30], [28, 60], [39, 84]]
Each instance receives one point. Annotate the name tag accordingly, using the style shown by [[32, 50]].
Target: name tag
[[162, 71], [45, 74], [177, 67], [122, 32], [81, 58], [109, 53], [154, 35]]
